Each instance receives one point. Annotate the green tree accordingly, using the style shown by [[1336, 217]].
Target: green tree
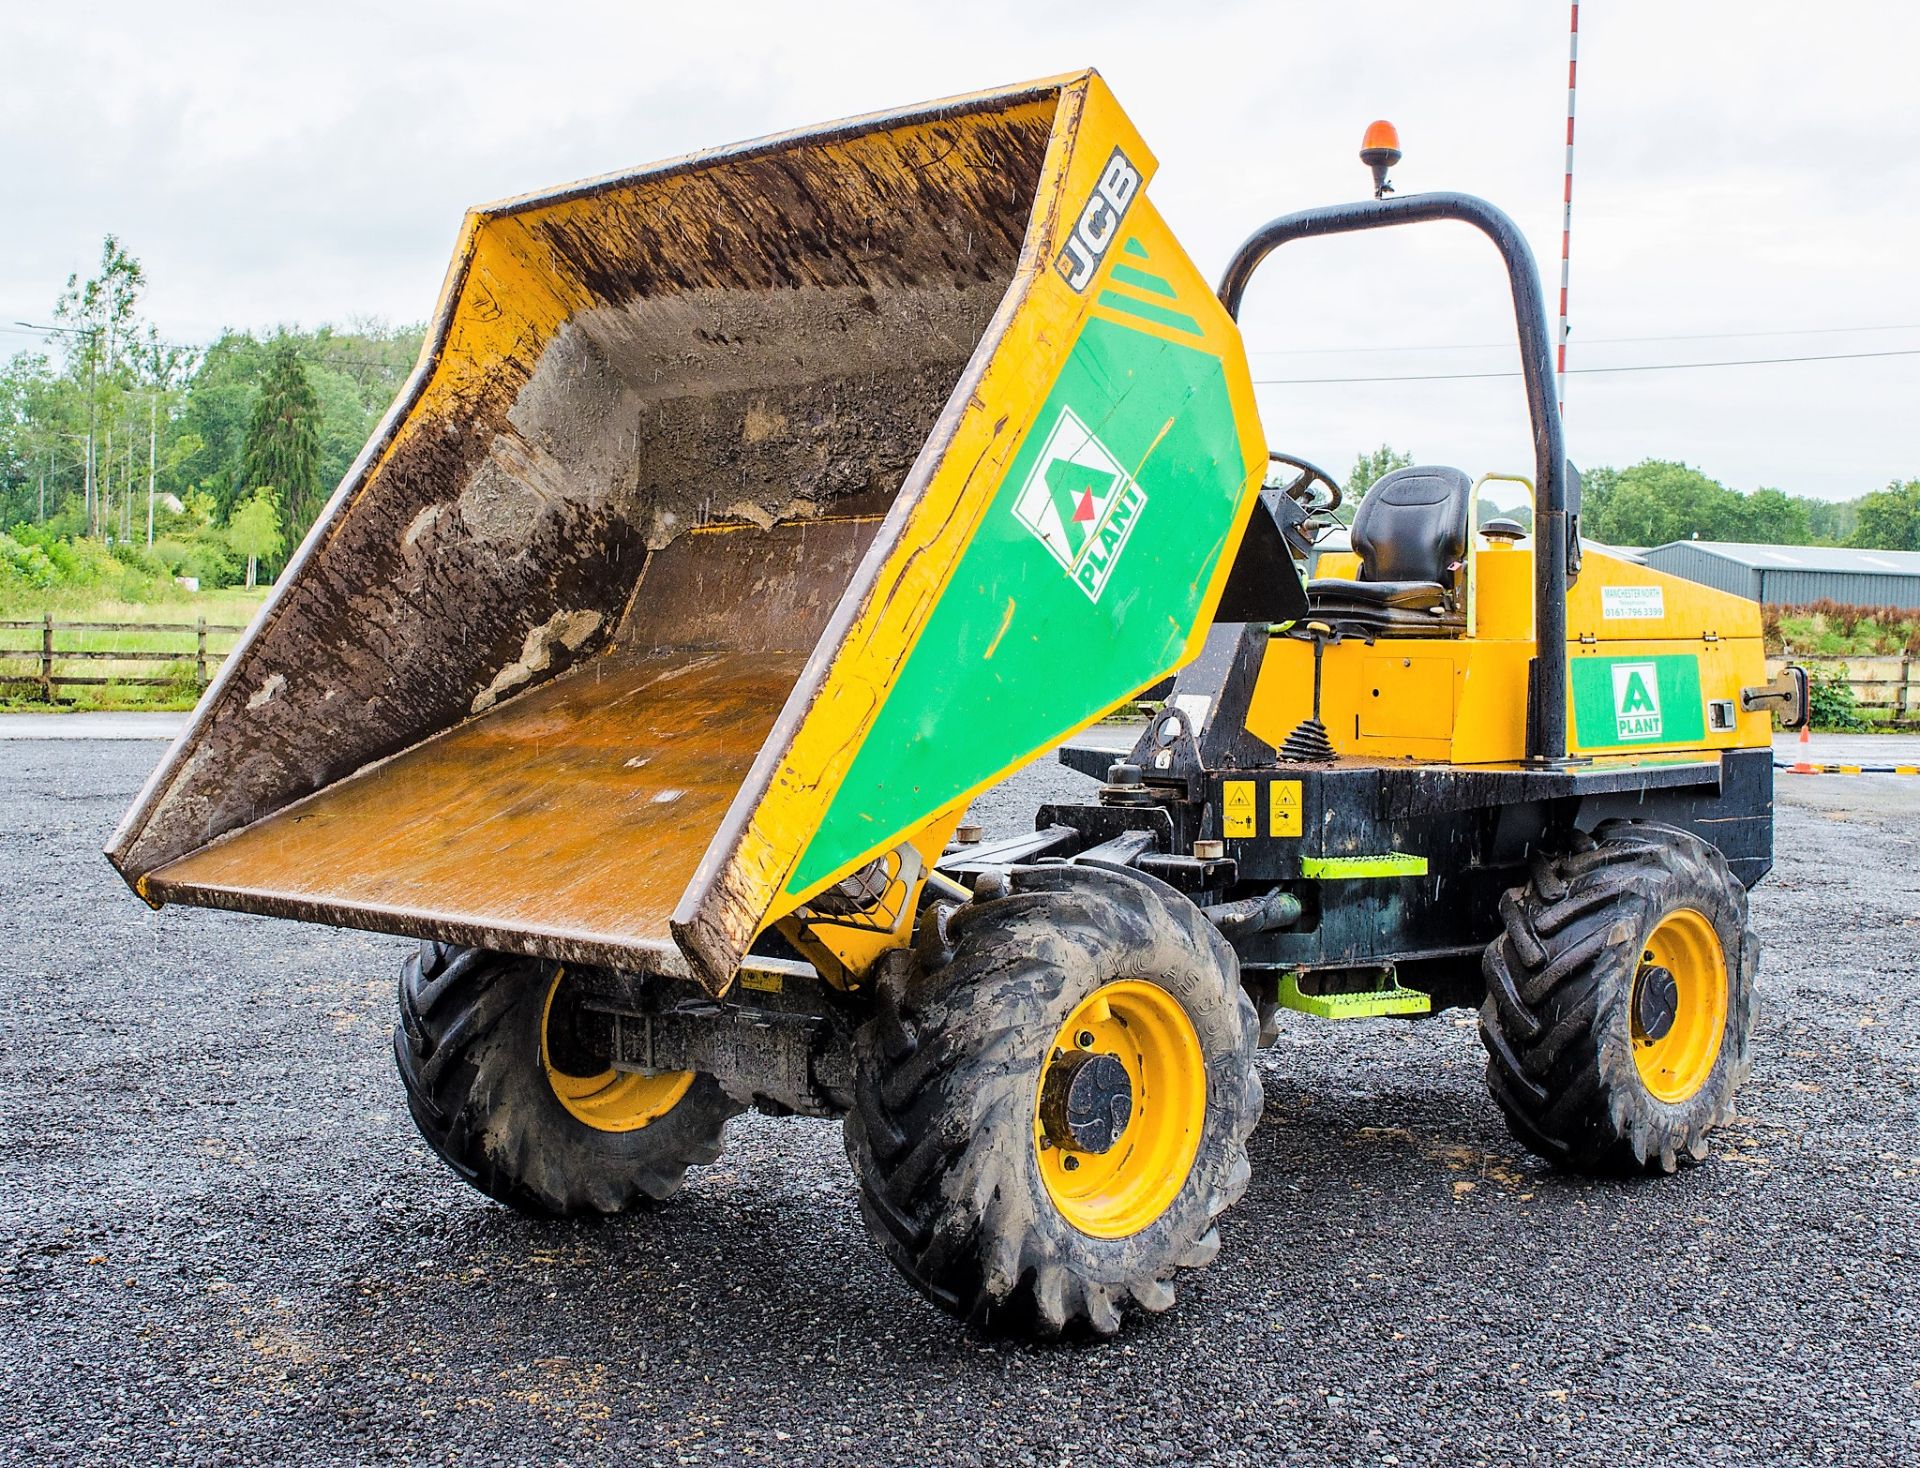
[[1771, 517], [1661, 500], [1890, 518], [1596, 489], [1370, 469], [101, 313], [1830, 522], [283, 438], [83, 433], [42, 440], [1520, 513], [100, 320], [253, 530]]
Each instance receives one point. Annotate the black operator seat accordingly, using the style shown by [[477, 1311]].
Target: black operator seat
[[1411, 536]]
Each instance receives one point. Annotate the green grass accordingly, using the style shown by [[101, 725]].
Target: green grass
[[20, 648]]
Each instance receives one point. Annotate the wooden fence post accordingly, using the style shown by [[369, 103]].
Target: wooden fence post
[[46, 657], [1900, 697], [200, 654]]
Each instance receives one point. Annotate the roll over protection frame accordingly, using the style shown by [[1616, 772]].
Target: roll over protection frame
[[1555, 510]]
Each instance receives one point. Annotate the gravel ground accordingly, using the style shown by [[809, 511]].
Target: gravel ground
[[221, 1241]]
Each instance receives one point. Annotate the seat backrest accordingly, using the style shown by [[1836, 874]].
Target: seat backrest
[[1412, 525]]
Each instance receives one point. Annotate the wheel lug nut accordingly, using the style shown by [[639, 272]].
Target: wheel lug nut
[[1070, 1163], [1084, 1039]]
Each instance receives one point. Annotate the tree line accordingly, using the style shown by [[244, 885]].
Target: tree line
[[212, 462], [209, 462], [1661, 500]]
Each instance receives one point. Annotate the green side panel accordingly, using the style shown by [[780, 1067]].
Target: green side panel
[[1368, 1004], [1081, 584], [1637, 700], [1340, 868]]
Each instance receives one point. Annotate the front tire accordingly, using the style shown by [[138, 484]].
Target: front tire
[[979, 1179], [481, 1051], [1620, 1001]]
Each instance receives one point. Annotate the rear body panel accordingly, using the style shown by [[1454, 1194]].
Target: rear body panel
[[1648, 656]]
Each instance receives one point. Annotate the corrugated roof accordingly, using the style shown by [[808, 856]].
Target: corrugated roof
[[1805, 557]]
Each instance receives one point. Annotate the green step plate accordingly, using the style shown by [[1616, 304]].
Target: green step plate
[[1367, 1004], [1344, 868]]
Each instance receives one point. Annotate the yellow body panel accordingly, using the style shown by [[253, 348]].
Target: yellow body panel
[[1463, 700], [844, 951], [1336, 565]]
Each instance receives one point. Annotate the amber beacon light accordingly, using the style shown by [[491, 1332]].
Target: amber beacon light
[[1380, 150]]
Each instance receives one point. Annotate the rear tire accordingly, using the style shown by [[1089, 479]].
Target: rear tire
[[946, 1137], [1620, 1001], [471, 1050]]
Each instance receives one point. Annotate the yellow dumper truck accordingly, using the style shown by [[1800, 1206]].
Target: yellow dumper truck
[[749, 514]]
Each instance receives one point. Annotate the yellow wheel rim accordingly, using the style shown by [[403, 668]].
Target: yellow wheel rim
[[1120, 1191], [1676, 1056], [613, 1100]]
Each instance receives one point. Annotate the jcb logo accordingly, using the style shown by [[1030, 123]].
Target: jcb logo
[[1636, 702], [1099, 222]]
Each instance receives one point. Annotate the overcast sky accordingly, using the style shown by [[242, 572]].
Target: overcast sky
[[1743, 169]]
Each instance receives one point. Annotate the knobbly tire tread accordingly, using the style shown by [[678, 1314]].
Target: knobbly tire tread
[[1556, 1023], [467, 1046], [940, 1135]]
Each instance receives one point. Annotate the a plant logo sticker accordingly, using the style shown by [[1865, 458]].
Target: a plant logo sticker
[[1636, 702], [1080, 504]]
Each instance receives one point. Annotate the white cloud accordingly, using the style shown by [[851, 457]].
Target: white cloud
[[1741, 169]]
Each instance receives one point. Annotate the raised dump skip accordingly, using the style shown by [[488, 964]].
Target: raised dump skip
[[712, 551]]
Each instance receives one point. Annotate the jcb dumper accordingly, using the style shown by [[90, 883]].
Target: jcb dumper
[[750, 513]]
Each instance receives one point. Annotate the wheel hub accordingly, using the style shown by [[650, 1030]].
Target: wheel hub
[[592, 1092], [1087, 1102], [1677, 1011], [1119, 1108], [1656, 1002]]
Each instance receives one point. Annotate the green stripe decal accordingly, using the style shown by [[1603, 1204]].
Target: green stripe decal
[[1144, 280], [1337, 868], [1146, 310], [1135, 248]]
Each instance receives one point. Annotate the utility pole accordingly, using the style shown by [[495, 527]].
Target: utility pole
[[1566, 203], [93, 424], [93, 518], [153, 445]]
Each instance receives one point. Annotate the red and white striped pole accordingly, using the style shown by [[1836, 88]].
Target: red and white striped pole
[[1566, 205]]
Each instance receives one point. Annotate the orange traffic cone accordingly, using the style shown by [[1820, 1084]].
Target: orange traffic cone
[[1805, 766]]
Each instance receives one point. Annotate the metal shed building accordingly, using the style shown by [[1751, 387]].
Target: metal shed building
[[1793, 575]]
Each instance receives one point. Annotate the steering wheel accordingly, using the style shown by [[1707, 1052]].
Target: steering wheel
[[1317, 491]]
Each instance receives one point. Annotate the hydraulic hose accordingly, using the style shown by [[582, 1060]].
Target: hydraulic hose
[[1250, 915]]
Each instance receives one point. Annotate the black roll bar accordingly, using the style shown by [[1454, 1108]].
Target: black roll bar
[[1547, 683]]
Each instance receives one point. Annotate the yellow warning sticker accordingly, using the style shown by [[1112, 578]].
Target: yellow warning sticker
[[765, 983], [1286, 808], [1239, 810]]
